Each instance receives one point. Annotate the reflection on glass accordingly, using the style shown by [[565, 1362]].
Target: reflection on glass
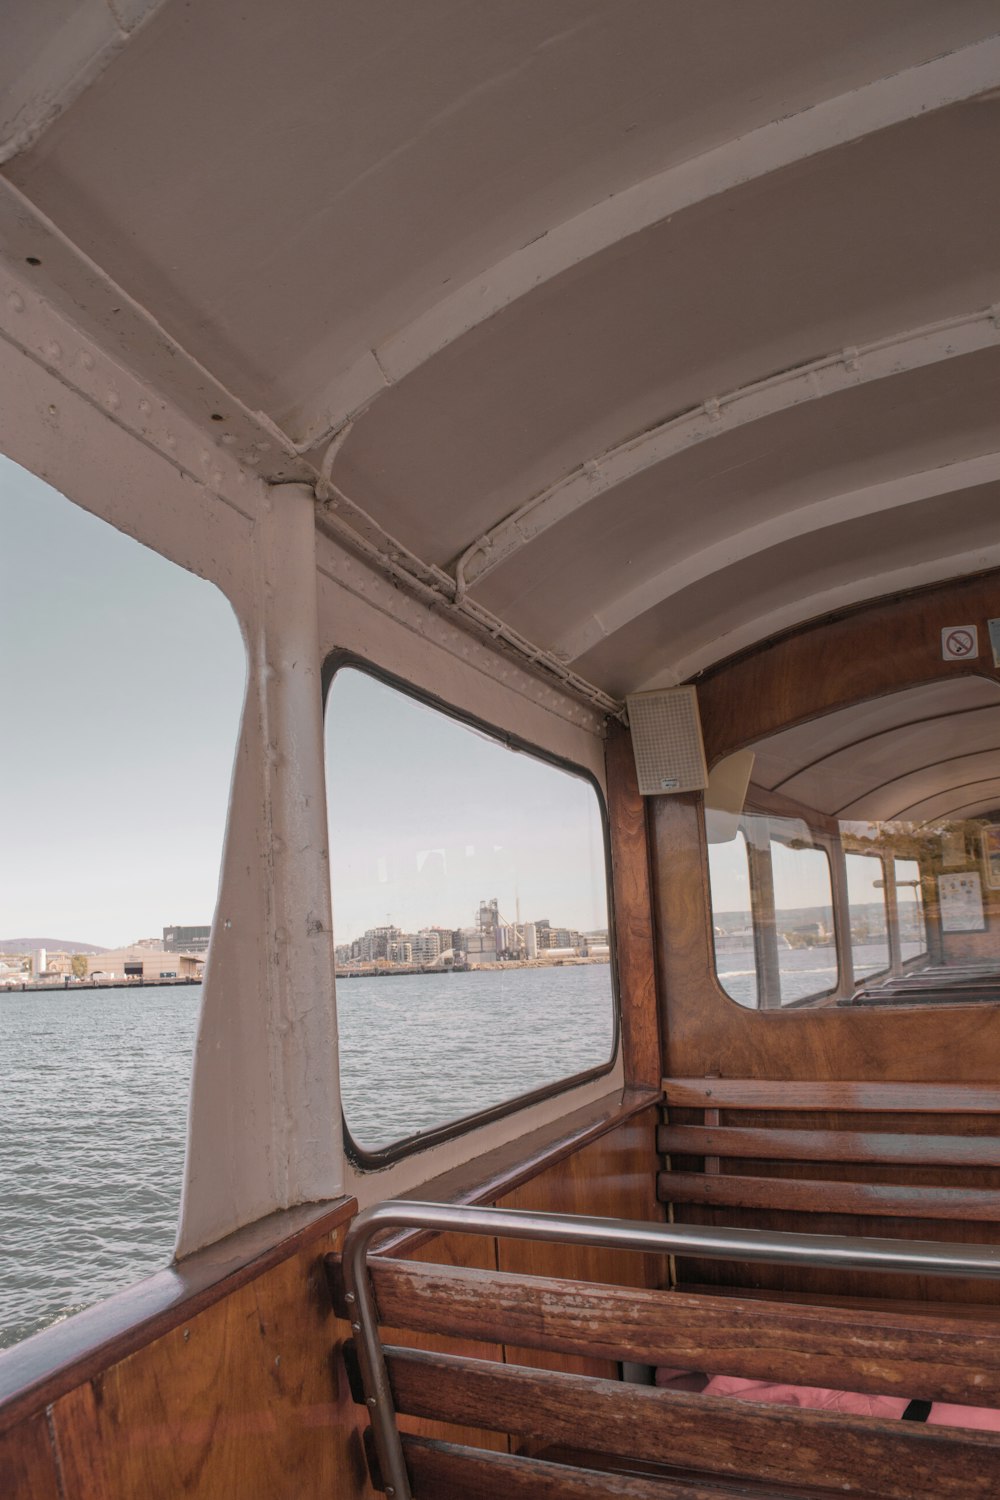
[[803, 911], [735, 959], [867, 913], [470, 915], [910, 906]]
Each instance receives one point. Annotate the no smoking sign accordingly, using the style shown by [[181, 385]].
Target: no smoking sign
[[960, 642]]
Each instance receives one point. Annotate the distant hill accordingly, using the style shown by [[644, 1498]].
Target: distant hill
[[57, 945]]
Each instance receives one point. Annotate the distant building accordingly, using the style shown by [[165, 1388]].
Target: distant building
[[136, 961], [426, 946], [186, 939]]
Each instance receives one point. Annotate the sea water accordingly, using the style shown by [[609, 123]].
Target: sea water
[[94, 1088]]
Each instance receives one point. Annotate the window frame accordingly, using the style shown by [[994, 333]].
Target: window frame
[[821, 843], [876, 973], [362, 1158]]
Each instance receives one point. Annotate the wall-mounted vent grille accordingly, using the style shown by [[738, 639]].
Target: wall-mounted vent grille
[[666, 741]]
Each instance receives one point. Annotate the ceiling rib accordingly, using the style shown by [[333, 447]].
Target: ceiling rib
[[812, 606], [983, 781], [882, 786], [969, 809], [853, 505], [878, 734], [949, 338], [916, 91]]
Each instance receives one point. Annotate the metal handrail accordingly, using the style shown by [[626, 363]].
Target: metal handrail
[[846, 1252]]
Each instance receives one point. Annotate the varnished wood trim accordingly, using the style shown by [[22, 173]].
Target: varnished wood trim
[[44, 1367], [884, 1098], [921, 1307], [979, 1205], [875, 648], [895, 1460], [935, 1357], [448, 1471], [498, 1172], [829, 1145], [633, 914]]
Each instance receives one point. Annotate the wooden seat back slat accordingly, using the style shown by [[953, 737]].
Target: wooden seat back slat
[[935, 1358], [449, 1471], [861, 1456], [828, 1145], [880, 1098], [797, 1195]]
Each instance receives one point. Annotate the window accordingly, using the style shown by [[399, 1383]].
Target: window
[[122, 678], [867, 915], [910, 906], [470, 908], [803, 913], [732, 919]]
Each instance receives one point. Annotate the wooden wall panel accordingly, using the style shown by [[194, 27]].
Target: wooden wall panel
[[27, 1462], [707, 1032], [246, 1399], [614, 1177], [633, 914], [879, 648]]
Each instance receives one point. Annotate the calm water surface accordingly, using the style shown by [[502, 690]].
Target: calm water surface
[[94, 1090]]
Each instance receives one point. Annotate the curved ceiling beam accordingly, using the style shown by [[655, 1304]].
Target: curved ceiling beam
[[878, 734], [892, 494], [989, 784], [812, 606], [979, 808], [850, 812], [912, 350], [934, 85]]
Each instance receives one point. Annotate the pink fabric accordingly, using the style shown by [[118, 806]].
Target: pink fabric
[[943, 1414], [852, 1403]]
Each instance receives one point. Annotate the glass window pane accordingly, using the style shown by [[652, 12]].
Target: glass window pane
[[122, 676], [470, 915], [735, 958], [910, 906], [867, 912], [803, 909]]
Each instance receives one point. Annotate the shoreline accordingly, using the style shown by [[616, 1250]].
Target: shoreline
[[85, 986]]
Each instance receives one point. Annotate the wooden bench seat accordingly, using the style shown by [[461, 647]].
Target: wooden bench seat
[[615, 1438]]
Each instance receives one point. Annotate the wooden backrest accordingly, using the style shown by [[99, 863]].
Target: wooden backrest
[[663, 1443], [917, 1159]]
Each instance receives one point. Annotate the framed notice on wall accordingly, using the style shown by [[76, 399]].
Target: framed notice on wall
[[961, 901], [991, 857]]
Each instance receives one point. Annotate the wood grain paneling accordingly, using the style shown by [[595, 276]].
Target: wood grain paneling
[[633, 913], [877, 648], [613, 1177], [856, 1455], [244, 1399], [707, 1032], [28, 1463], [441, 1471], [469, 1251], [936, 1357]]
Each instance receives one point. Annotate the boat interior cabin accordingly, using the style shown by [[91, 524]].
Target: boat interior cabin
[[615, 390]]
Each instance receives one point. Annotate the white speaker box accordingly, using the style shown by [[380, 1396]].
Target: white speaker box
[[666, 741]]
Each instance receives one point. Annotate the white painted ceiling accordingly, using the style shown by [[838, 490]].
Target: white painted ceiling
[[922, 753], [661, 326]]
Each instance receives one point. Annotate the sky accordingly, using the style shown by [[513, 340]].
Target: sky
[[121, 684], [428, 817]]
